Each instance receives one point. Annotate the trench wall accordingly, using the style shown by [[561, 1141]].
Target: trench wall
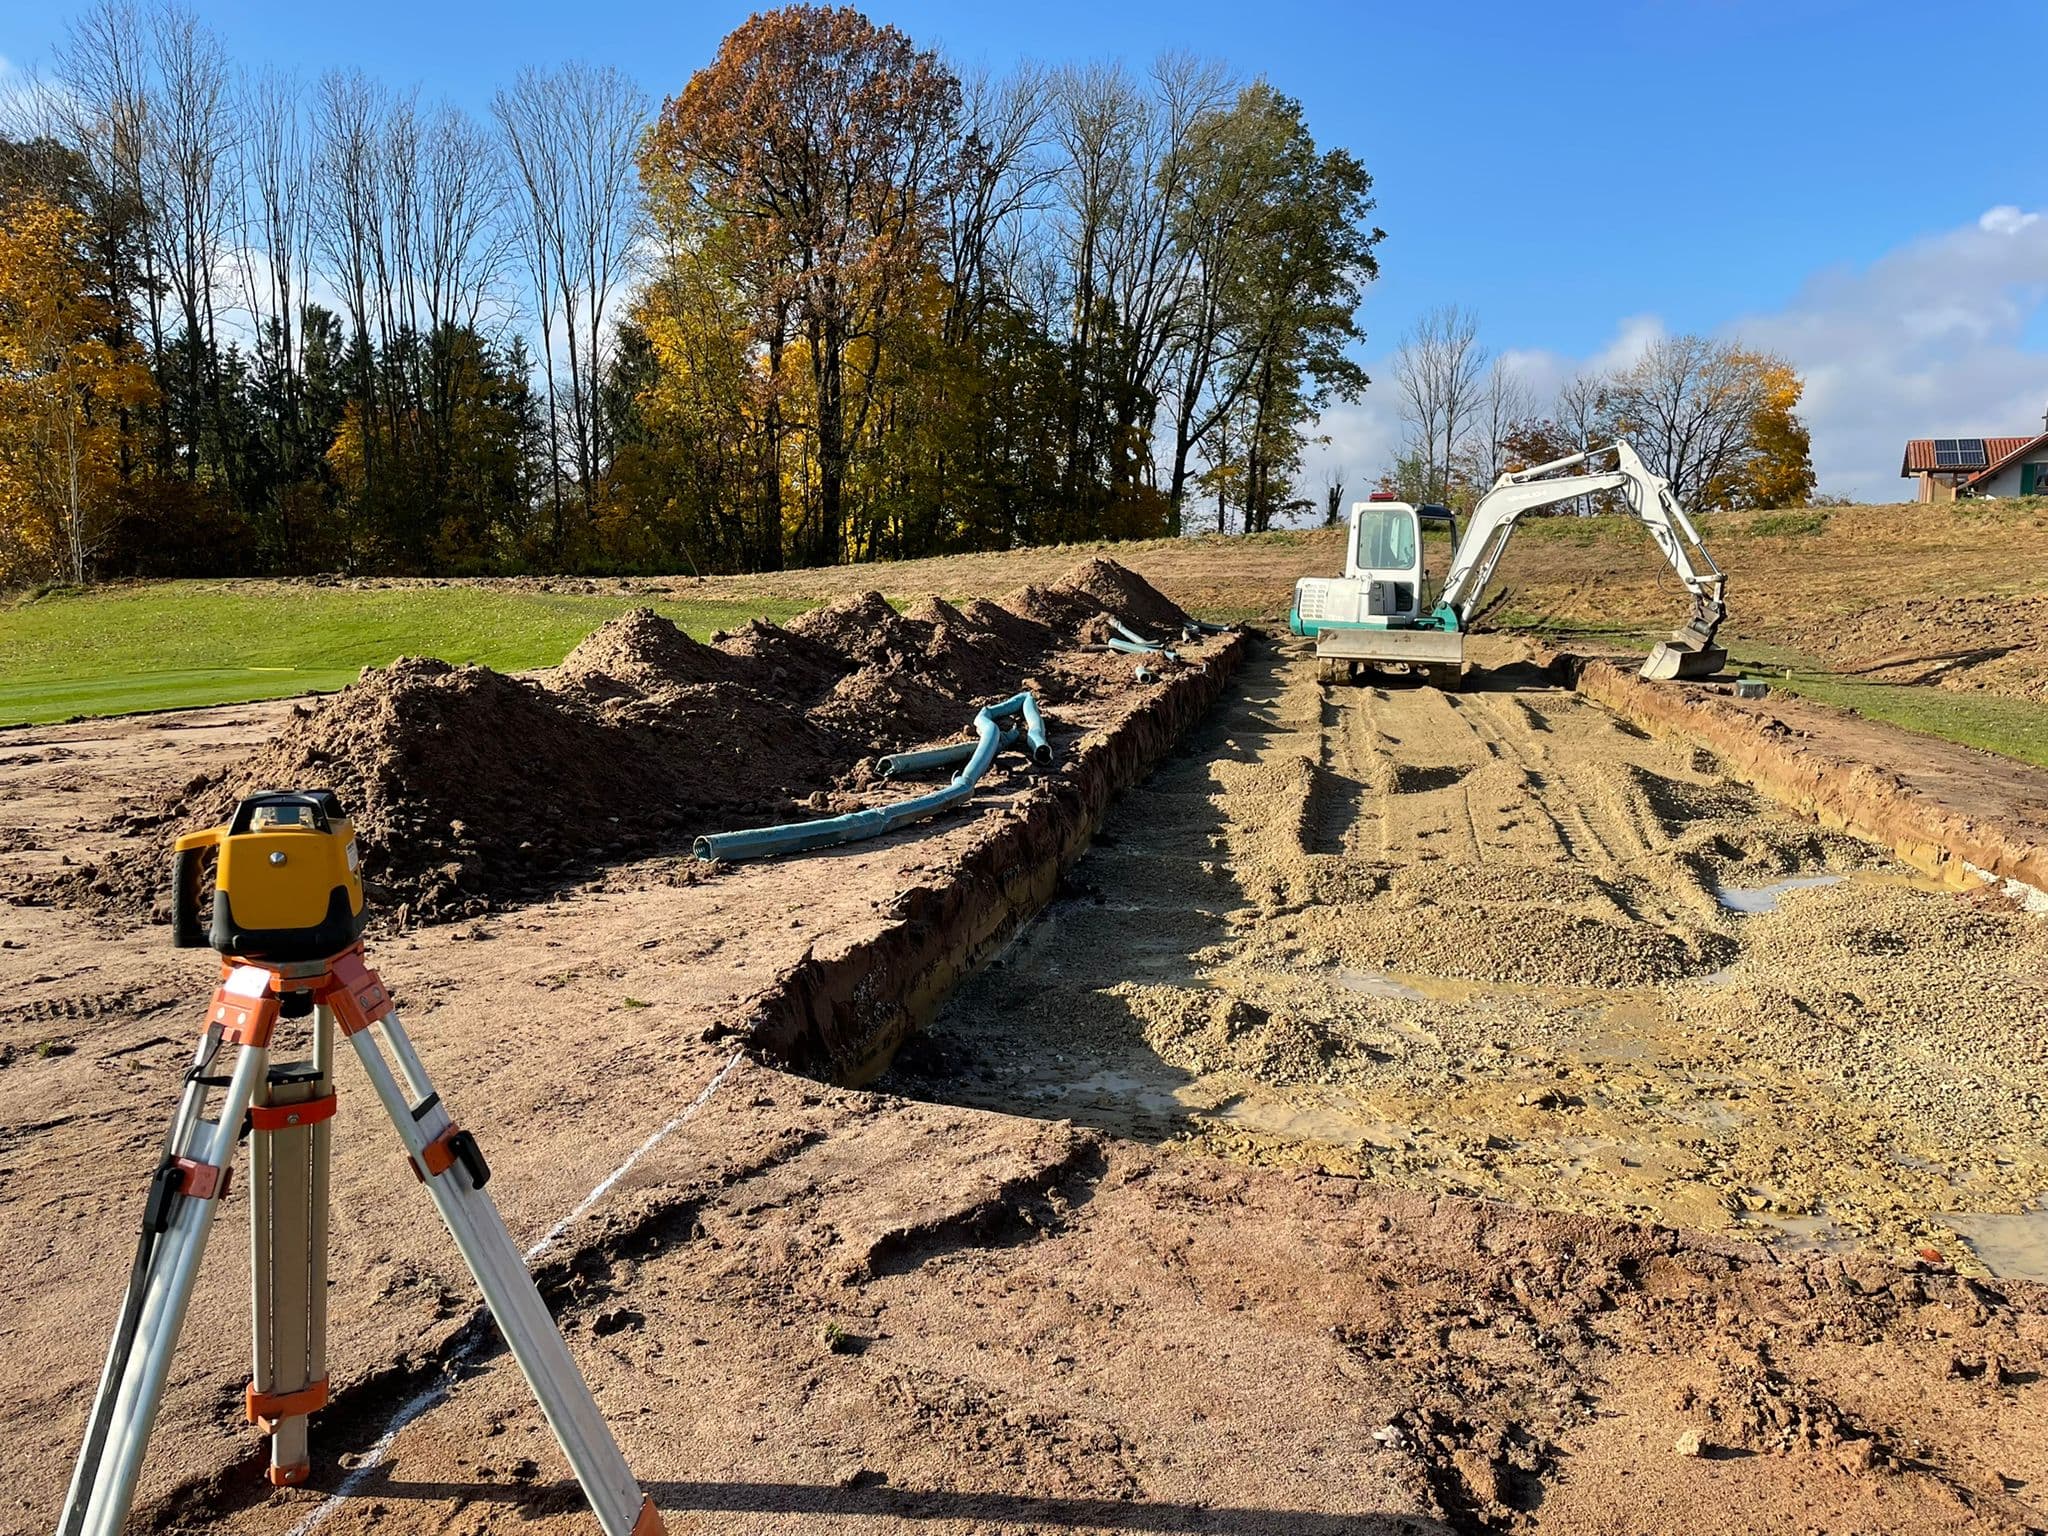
[[841, 1013], [1857, 797]]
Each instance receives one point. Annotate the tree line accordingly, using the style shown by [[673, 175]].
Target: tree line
[[1715, 418], [831, 301]]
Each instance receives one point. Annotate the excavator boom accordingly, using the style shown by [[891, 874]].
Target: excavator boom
[[1690, 652]]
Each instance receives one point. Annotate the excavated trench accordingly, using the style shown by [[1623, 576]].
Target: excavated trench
[[1507, 943]]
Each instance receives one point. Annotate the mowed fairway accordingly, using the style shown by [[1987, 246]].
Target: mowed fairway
[[171, 645]]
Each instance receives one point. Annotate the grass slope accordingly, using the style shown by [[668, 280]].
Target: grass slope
[[1991, 722], [170, 645]]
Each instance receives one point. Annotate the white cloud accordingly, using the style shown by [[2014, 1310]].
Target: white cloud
[[1929, 340], [2002, 220]]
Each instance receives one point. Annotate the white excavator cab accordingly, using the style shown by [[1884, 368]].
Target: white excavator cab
[[1375, 612], [1385, 557]]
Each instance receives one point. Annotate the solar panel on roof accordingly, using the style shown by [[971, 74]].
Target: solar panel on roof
[[1959, 453]]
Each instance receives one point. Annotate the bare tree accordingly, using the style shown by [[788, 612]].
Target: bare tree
[[534, 167], [274, 252], [1003, 180], [104, 107], [1097, 113], [1439, 368], [1688, 405], [1504, 404], [1127, 159], [1149, 265], [273, 256], [347, 223], [1581, 415], [571, 136], [1333, 498], [188, 182]]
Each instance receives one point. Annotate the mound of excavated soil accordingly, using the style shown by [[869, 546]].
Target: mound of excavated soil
[[468, 786], [1126, 594], [641, 652]]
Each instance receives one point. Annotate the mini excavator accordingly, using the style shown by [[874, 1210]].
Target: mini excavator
[[1380, 612]]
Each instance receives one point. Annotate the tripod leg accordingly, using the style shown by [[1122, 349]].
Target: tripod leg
[[288, 1253], [185, 1194], [454, 1172]]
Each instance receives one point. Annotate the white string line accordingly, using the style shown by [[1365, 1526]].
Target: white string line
[[604, 1185], [432, 1394]]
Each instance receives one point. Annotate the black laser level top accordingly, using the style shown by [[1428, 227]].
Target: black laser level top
[[287, 883]]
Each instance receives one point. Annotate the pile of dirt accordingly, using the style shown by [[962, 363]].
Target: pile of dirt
[[469, 786], [641, 652], [1127, 595]]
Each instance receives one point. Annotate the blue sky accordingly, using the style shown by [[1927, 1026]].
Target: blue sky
[[1854, 184]]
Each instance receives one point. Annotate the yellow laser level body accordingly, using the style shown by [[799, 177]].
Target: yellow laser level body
[[287, 880]]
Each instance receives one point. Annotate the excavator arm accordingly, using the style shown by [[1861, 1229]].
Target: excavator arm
[[1690, 652]]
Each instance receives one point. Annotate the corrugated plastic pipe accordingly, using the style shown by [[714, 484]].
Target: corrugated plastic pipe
[[991, 725], [1129, 633], [905, 765], [1141, 648]]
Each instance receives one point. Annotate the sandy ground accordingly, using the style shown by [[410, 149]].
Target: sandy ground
[[807, 1308], [1494, 943]]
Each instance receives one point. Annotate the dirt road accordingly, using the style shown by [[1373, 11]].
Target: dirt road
[[1500, 943]]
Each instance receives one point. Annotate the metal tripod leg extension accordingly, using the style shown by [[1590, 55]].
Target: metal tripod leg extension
[[184, 1194], [290, 1124], [449, 1162]]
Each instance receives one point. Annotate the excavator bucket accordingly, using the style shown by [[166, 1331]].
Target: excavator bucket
[[1688, 653]]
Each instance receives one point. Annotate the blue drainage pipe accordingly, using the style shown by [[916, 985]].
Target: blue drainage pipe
[[991, 726], [1131, 634], [1141, 648], [1147, 648], [905, 765]]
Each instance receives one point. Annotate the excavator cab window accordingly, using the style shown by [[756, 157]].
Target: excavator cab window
[[1386, 538]]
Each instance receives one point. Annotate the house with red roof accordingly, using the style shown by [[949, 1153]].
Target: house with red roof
[[1948, 467]]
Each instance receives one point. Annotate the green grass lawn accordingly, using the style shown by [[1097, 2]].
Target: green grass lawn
[[1992, 722], [173, 645], [2010, 727]]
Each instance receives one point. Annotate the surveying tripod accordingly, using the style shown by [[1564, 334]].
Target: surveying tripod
[[287, 918]]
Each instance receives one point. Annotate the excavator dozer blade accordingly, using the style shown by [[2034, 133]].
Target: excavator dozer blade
[[1683, 658]]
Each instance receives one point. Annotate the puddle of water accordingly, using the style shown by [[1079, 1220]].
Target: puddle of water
[[2011, 1247], [1753, 899], [1379, 984]]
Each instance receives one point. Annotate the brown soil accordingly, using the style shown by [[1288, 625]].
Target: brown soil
[[806, 1308], [470, 788], [1967, 643]]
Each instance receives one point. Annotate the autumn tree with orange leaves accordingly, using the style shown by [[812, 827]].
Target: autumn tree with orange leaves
[[814, 155], [63, 386]]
